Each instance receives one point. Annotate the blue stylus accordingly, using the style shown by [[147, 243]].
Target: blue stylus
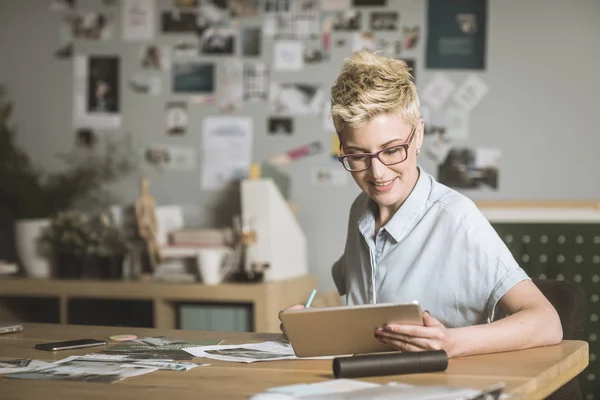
[[310, 299]]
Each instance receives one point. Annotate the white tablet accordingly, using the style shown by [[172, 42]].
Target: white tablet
[[345, 330]]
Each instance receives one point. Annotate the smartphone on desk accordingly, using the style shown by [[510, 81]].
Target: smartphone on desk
[[70, 344]]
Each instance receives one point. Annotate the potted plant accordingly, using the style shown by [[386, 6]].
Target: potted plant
[[84, 247], [29, 196]]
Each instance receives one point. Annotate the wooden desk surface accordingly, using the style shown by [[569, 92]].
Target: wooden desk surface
[[532, 374]]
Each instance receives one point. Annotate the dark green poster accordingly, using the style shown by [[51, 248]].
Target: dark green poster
[[456, 34]]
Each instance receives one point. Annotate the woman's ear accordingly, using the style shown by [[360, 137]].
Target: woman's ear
[[420, 132]]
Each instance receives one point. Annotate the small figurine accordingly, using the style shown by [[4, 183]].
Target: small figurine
[[145, 213]]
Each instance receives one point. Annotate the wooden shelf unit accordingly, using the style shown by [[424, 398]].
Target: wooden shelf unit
[[266, 299]]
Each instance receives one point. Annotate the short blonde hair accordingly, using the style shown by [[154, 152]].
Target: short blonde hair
[[368, 85]]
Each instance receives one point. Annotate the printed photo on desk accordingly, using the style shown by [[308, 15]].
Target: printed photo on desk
[[84, 370], [157, 347], [247, 353]]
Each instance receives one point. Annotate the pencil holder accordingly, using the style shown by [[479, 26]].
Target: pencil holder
[[390, 364]]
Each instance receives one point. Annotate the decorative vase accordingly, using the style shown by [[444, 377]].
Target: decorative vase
[[27, 232]]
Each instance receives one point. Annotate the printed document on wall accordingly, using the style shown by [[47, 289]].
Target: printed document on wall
[[138, 19], [227, 151]]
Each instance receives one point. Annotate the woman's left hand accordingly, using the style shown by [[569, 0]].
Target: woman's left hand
[[433, 335]]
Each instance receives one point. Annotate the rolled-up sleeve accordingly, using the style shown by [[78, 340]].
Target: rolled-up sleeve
[[339, 276], [513, 275]]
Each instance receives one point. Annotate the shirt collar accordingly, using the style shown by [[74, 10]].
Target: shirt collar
[[403, 219]]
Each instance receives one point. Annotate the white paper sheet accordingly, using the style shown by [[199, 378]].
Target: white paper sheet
[[470, 92], [227, 150], [169, 157], [335, 5], [288, 56], [138, 19], [456, 122], [329, 176], [248, 353], [438, 90], [12, 366]]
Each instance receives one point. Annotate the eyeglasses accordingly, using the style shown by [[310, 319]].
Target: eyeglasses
[[388, 156]]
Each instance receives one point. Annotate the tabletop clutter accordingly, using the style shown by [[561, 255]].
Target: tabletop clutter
[[128, 356]]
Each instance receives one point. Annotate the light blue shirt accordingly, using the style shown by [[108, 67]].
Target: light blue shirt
[[438, 249]]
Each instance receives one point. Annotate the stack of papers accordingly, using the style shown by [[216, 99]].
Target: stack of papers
[[12, 366], [248, 353], [94, 368], [348, 389], [157, 347]]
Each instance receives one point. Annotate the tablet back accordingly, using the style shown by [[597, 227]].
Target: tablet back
[[344, 330]]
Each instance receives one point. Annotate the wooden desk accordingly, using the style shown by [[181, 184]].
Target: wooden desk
[[531, 374], [266, 299]]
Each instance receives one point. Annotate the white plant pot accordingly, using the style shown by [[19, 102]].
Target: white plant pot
[[27, 232]]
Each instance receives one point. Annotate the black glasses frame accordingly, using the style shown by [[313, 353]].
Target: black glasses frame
[[376, 154]]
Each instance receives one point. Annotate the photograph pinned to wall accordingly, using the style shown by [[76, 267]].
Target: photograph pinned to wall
[[176, 115], [165, 157], [329, 176], [281, 126], [93, 26], [188, 48], [470, 92], [364, 41], [251, 41], [438, 90], [436, 144], [86, 138], [138, 20], [142, 84], [305, 19], [384, 21], [296, 154], [389, 48], [96, 92], [256, 81], [314, 53], [193, 77], [153, 57], [185, 3], [410, 36], [276, 6], [347, 20], [210, 15], [456, 34], [230, 96], [288, 55], [244, 8], [227, 150], [63, 5], [369, 3], [218, 40], [339, 43], [296, 99], [175, 21], [335, 5], [470, 168]]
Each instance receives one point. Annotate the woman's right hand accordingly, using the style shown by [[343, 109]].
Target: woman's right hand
[[294, 307]]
